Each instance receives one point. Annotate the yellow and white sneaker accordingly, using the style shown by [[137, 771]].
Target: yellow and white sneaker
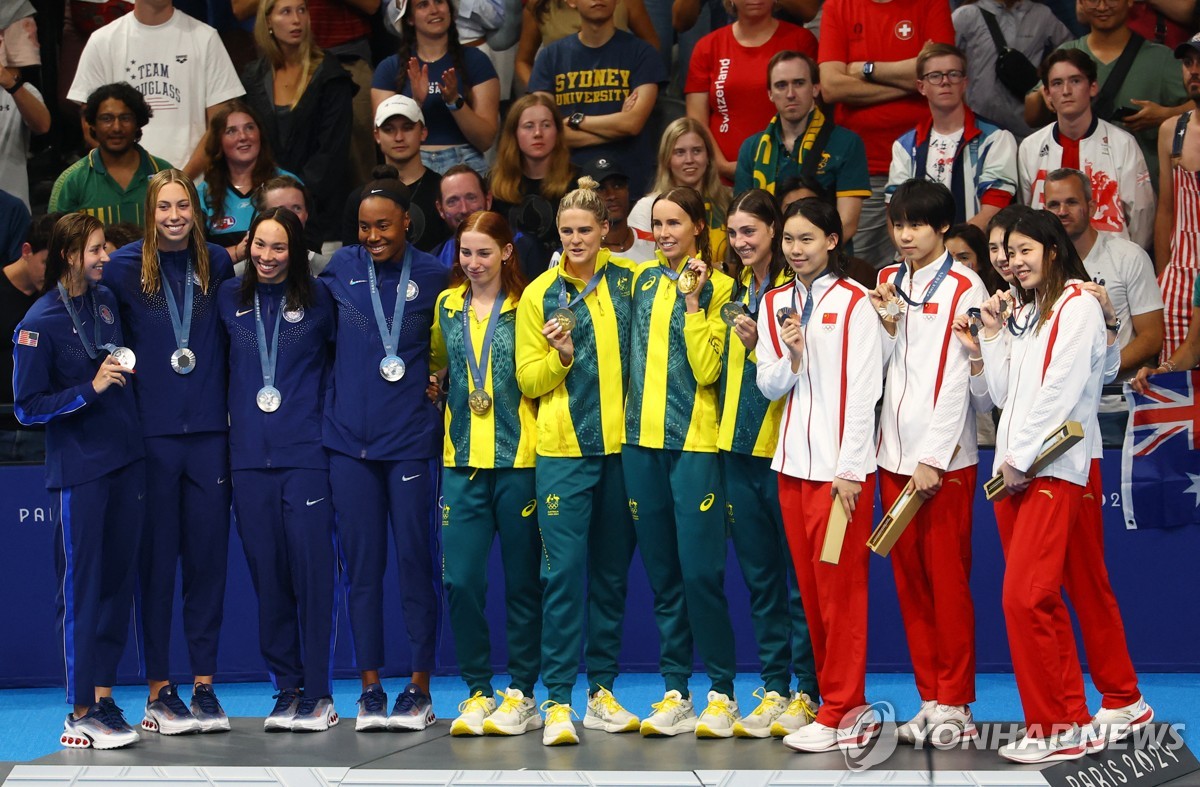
[[471, 714], [559, 729], [675, 714], [801, 710], [718, 718], [605, 713], [517, 715], [758, 723]]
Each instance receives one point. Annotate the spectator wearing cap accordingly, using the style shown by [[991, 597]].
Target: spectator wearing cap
[[621, 239], [1177, 222], [22, 108], [463, 192], [533, 171], [176, 60], [305, 101], [802, 140], [110, 181], [400, 132]]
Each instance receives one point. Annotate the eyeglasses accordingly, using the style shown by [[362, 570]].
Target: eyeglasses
[[938, 77], [1094, 4], [108, 120]]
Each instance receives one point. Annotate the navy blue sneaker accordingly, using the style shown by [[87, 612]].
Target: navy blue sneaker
[[95, 731], [167, 715], [114, 716], [314, 714], [207, 709], [372, 709], [280, 719], [413, 711]]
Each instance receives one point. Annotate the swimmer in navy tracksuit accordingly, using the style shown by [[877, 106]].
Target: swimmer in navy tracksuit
[[64, 377], [384, 436], [180, 390], [280, 469]]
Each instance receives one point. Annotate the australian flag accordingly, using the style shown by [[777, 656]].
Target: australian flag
[[1160, 466]]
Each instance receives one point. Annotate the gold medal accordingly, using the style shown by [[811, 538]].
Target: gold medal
[[687, 282], [479, 401], [731, 311], [564, 317]]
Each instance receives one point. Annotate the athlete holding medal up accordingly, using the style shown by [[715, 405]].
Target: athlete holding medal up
[[280, 327], [167, 287], [62, 378], [488, 476], [384, 436]]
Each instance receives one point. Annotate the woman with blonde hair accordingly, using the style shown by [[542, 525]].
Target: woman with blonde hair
[[303, 96], [687, 157], [533, 171], [166, 286]]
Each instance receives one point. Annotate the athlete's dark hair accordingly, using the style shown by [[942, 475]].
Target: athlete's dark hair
[[922, 201], [1005, 218], [298, 286], [761, 205], [826, 218], [40, 230], [68, 239], [977, 241], [128, 95], [1060, 260]]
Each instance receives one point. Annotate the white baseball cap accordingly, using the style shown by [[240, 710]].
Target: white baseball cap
[[398, 105]]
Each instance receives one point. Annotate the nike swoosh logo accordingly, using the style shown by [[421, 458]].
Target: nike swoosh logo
[[357, 281], [409, 477], [313, 502], [242, 312], [221, 480]]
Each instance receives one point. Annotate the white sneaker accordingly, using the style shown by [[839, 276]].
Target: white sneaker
[[860, 733], [915, 728], [560, 730], [517, 715], [813, 737], [1069, 745], [314, 714], [758, 724], [947, 725], [718, 718], [1115, 724], [605, 713], [801, 710], [673, 715], [472, 713]]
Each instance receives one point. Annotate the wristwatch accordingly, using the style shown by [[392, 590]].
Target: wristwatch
[[457, 104], [15, 86], [1114, 326], [576, 120], [868, 71]]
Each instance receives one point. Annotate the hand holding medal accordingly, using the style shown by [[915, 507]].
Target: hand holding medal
[[692, 279], [992, 312], [110, 373], [887, 303], [791, 334]]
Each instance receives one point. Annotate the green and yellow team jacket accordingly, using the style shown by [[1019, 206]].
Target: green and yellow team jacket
[[675, 362], [749, 422], [503, 436], [581, 407]]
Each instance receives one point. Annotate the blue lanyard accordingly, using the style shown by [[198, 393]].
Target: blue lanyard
[[91, 348], [754, 293], [267, 359], [586, 291], [938, 278], [1011, 322], [391, 337], [182, 327], [671, 273], [806, 314], [477, 368]]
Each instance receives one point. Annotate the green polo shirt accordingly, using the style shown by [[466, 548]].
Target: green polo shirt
[[842, 169], [87, 187]]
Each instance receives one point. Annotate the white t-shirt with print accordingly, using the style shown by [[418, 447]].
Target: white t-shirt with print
[[942, 149]]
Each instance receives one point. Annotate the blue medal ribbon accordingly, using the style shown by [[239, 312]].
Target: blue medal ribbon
[[586, 291], [182, 326], [938, 278], [478, 368], [391, 337], [92, 347], [806, 314], [267, 358]]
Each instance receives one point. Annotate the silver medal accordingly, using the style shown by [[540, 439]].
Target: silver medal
[[391, 368], [183, 361], [268, 399], [893, 309], [125, 357]]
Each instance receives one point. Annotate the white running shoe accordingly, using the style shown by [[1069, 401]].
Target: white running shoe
[[718, 718], [675, 714], [605, 713], [758, 723], [1068, 745], [517, 715], [813, 737], [471, 714], [1110, 725], [560, 730], [801, 710], [97, 729], [947, 725], [916, 728], [314, 714], [167, 715]]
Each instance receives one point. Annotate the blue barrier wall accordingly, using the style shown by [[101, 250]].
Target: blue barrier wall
[[1156, 575]]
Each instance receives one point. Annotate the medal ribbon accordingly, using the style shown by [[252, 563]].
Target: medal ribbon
[[91, 348], [754, 295], [806, 314], [391, 337], [478, 369], [267, 359], [673, 274], [182, 327], [938, 278], [586, 291]]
